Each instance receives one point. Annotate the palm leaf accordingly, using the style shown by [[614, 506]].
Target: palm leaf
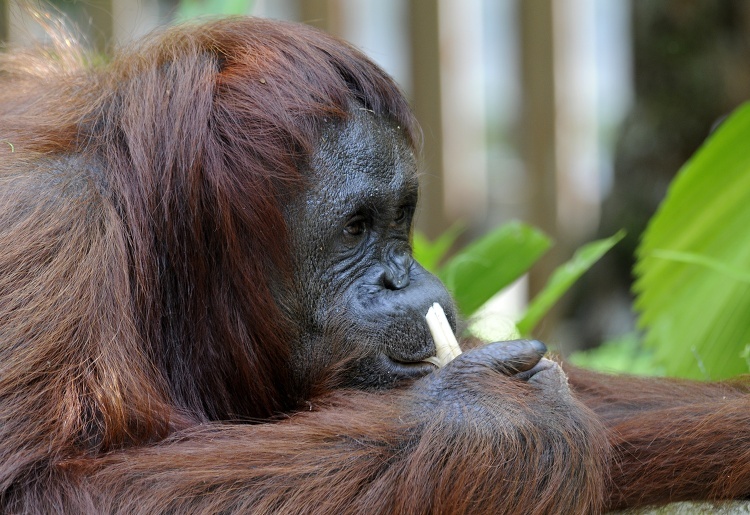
[[693, 266]]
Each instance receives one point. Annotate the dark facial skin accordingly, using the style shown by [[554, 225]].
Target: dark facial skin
[[363, 293]]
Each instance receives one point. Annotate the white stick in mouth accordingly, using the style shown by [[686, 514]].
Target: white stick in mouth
[[446, 346]]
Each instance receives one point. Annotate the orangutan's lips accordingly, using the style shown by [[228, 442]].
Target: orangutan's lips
[[446, 346]]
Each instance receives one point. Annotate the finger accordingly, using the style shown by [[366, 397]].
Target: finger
[[516, 356]]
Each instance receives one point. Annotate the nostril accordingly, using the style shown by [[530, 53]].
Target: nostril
[[395, 280]]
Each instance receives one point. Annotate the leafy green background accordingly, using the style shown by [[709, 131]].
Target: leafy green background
[[693, 270]]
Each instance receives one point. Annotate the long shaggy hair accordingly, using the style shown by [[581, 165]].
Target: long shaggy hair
[[140, 220]]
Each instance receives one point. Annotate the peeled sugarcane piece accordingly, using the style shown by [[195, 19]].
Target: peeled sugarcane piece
[[446, 346]]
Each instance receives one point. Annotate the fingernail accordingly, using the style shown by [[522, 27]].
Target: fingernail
[[538, 346]]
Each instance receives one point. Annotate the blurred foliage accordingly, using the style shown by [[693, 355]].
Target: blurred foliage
[[693, 270], [490, 264], [188, 9], [485, 267], [624, 355], [431, 253], [563, 278]]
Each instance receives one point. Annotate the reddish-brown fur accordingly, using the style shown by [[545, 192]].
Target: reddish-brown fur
[[141, 243], [673, 440]]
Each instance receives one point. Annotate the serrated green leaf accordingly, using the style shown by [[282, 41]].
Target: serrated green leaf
[[563, 278], [694, 259], [491, 263]]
